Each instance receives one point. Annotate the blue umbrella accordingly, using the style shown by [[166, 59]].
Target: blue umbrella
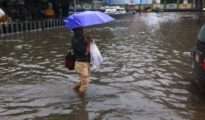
[[87, 19]]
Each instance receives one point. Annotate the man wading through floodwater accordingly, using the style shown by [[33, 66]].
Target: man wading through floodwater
[[80, 46]]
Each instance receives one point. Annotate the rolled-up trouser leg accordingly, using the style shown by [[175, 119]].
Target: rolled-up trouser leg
[[84, 83]]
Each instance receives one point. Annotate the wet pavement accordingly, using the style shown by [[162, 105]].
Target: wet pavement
[[146, 74]]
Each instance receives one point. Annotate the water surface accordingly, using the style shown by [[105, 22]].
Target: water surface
[[146, 74]]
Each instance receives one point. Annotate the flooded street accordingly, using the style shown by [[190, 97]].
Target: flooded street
[[146, 74]]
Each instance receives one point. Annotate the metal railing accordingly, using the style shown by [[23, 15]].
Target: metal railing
[[9, 28]]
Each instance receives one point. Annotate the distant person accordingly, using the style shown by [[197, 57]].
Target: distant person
[[49, 12], [80, 46], [3, 16]]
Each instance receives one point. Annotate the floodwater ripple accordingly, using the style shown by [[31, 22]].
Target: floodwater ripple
[[146, 73]]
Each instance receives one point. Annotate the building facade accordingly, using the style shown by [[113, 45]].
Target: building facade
[[126, 2], [162, 4]]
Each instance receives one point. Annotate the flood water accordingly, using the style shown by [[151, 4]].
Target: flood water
[[146, 74]]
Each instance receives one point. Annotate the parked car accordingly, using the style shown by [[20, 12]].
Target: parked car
[[198, 59], [114, 10]]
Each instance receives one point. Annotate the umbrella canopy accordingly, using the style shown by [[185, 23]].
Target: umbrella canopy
[[87, 19]]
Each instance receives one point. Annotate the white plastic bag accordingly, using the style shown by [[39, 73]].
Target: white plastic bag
[[96, 57]]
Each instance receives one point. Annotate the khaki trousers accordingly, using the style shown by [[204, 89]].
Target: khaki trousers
[[83, 69]]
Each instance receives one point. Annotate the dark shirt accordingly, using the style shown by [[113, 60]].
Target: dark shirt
[[79, 49]]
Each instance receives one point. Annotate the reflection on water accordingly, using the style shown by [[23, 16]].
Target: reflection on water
[[146, 74]]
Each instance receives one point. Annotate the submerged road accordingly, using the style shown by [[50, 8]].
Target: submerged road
[[146, 74]]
